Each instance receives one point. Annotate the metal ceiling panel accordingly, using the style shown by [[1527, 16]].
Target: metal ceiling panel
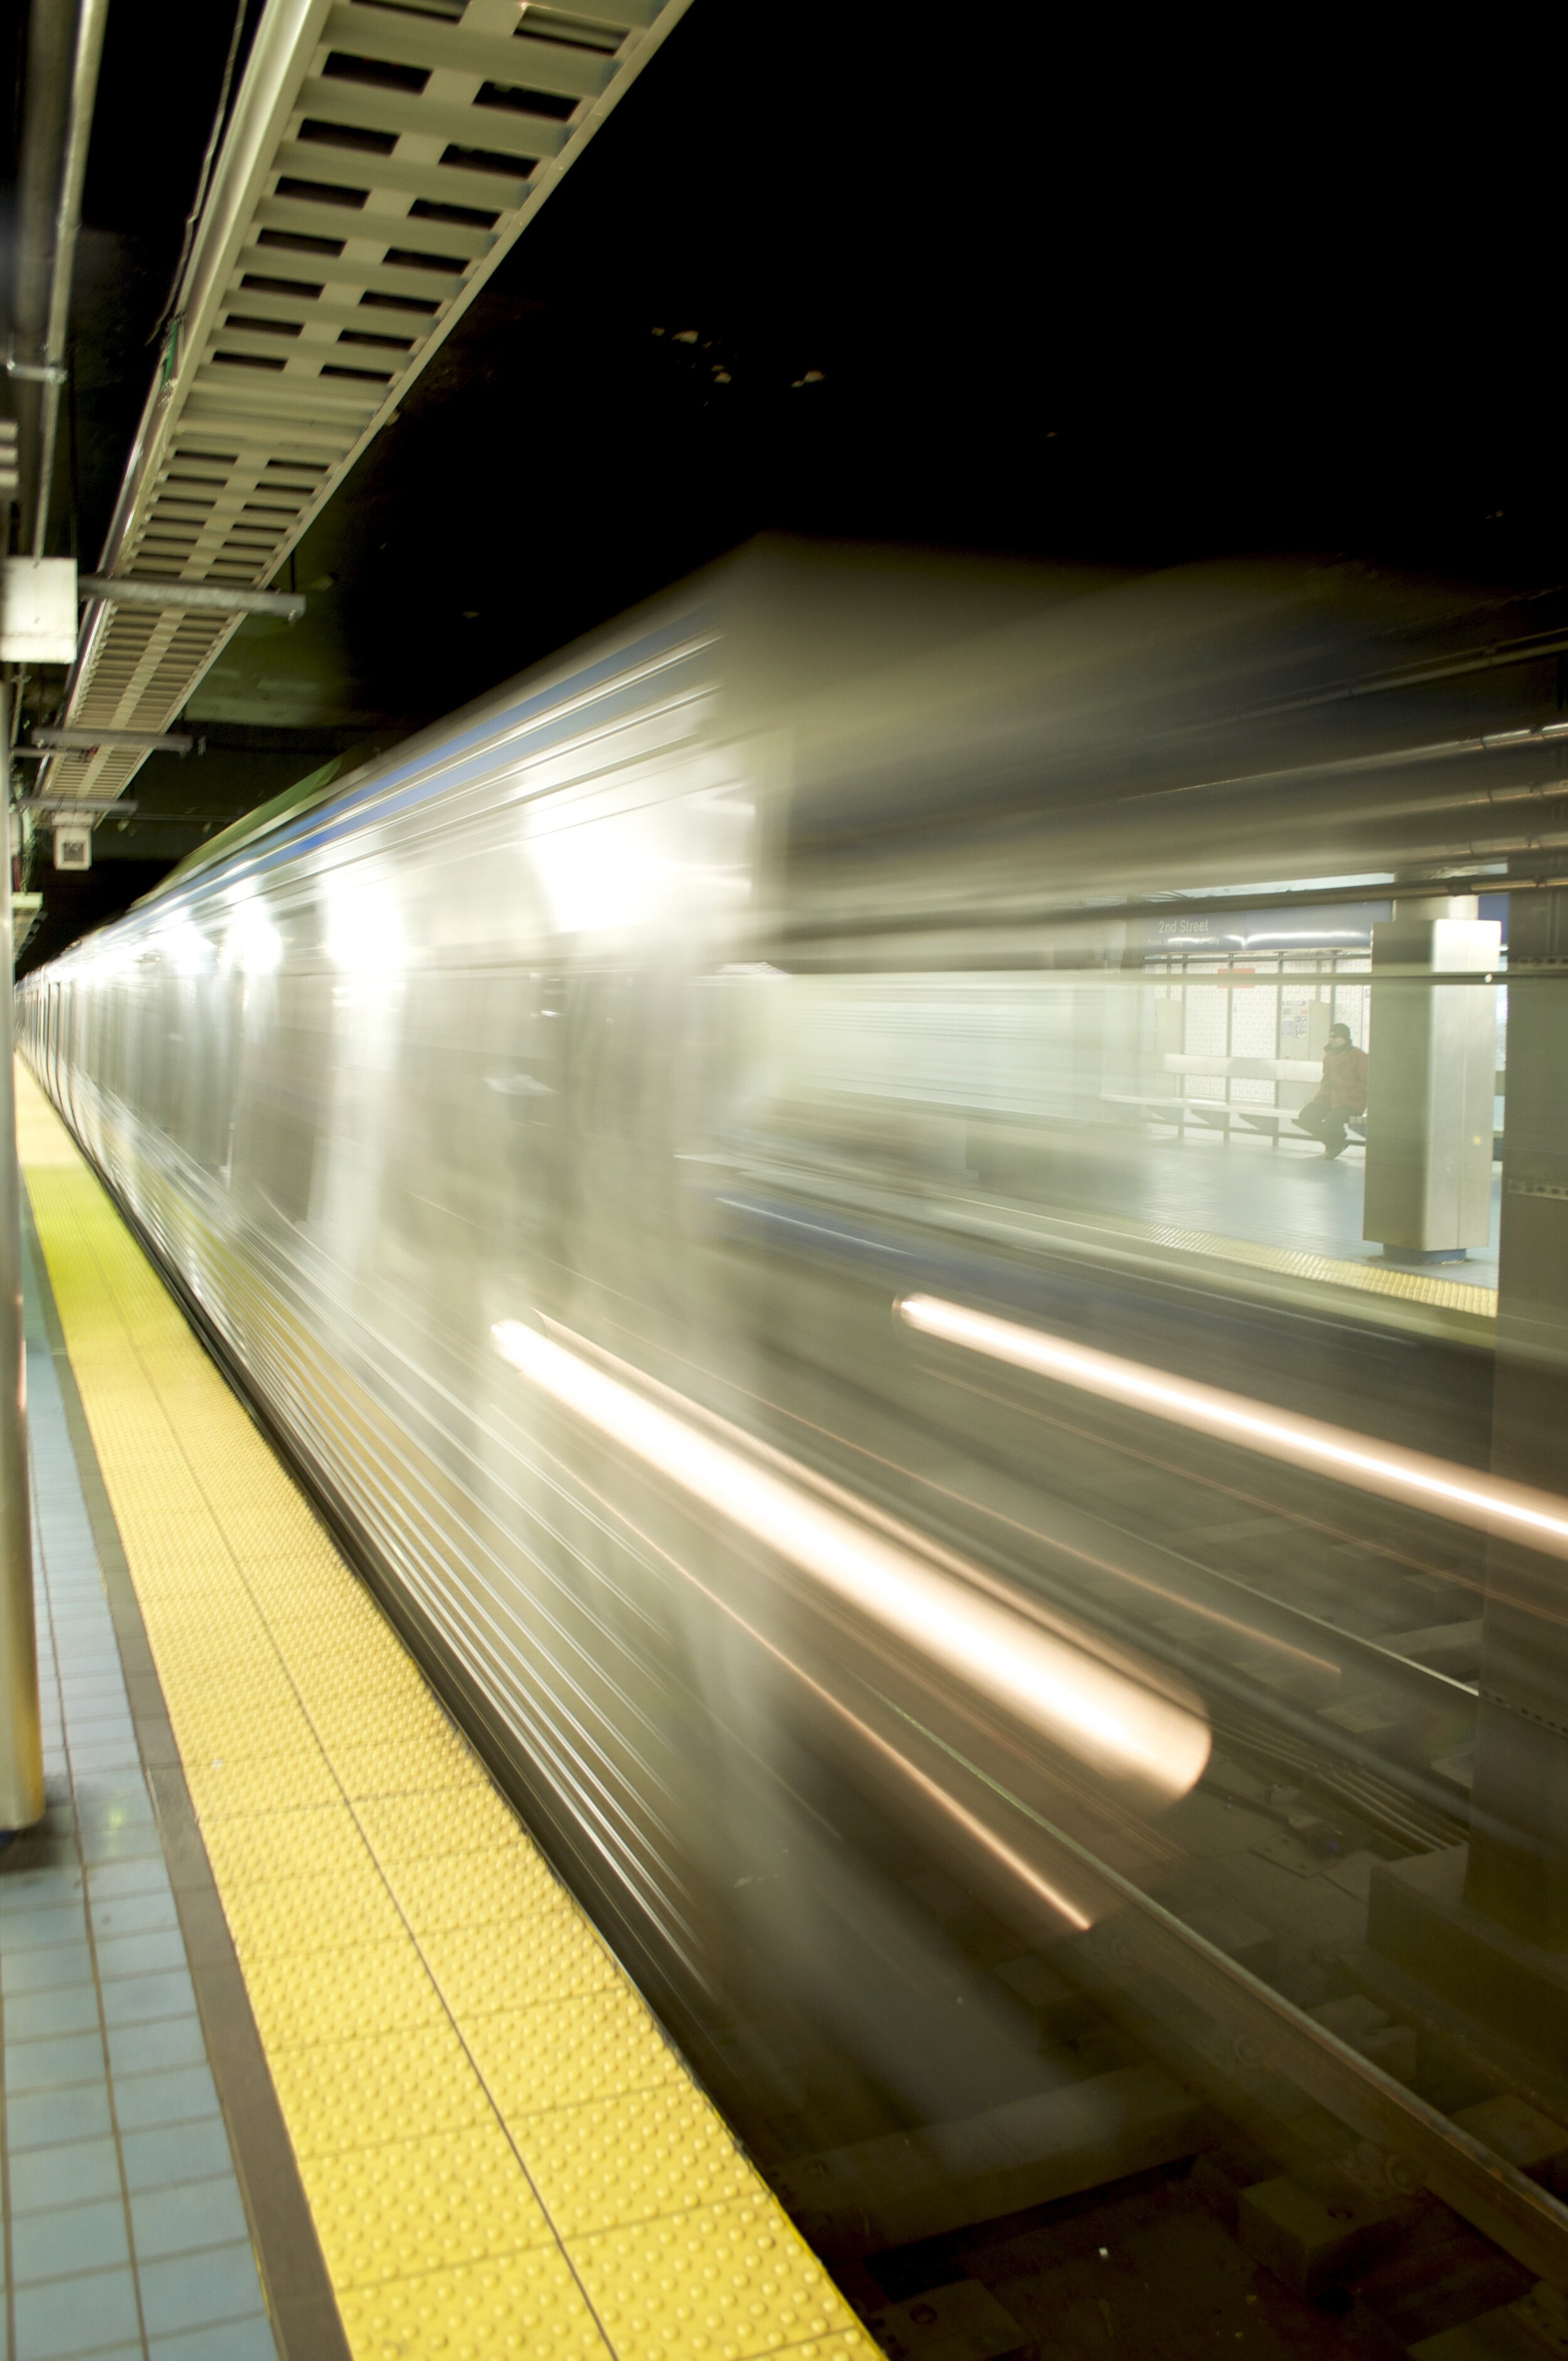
[[383, 156]]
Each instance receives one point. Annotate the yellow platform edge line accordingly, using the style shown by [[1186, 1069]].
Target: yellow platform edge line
[[501, 2152], [1369, 1278]]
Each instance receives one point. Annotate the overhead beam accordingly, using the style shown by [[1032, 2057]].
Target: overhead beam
[[140, 741], [67, 222], [89, 807], [131, 590]]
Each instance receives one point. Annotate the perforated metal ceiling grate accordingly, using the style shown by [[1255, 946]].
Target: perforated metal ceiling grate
[[382, 158]]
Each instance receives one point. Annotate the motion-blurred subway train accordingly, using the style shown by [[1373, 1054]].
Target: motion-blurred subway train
[[780, 1179]]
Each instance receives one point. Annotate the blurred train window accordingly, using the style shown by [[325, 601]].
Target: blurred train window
[[281, 1105], [163, 1046], [1148, 1075], [123, 1040], [477, 1089], [211, 1022]]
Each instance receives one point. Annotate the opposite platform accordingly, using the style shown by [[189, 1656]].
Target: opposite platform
[[500, 2151]]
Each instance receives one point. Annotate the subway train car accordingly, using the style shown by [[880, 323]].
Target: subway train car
[[756, 1175]]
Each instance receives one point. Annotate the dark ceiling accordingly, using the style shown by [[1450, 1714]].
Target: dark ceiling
[[987, 277]]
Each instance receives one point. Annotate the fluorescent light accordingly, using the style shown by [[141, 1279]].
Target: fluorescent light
[[1461, 1494], [1105, 1719]]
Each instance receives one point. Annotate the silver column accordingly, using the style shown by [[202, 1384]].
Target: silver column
[[1519, 1850], [1432, 1061], [21, 1741]]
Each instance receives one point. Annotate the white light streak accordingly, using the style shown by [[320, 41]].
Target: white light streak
[[364, 932], [184, 946], [1461, 1494], [251, 941], [1106, 1720]]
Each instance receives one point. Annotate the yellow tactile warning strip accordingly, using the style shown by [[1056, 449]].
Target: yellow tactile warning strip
[[1373, 1279], [501, 2152]]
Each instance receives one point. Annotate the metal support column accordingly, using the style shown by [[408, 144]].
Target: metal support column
[[1432, 1055], [21, 1739], [1485, 1925], [1519, 1854]]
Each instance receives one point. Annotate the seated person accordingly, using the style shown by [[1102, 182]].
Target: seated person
[[1341, 1094]]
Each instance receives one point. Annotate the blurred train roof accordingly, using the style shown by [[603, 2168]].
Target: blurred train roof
[[1005, 741], [974, 283]]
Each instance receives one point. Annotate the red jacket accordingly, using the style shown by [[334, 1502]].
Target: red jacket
[[1344, 1079]]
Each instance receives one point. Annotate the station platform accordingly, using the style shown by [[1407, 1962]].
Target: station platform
[[307, 2051], [1265, 1199]]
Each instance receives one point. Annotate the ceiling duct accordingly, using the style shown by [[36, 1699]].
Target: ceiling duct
[[379, 165]]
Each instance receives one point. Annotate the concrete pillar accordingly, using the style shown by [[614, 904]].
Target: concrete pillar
[[1518, 1871], [1432, 1056]]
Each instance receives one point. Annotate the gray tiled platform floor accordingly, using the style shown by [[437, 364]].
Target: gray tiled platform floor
[[125, 2233], [1291, 1196]]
